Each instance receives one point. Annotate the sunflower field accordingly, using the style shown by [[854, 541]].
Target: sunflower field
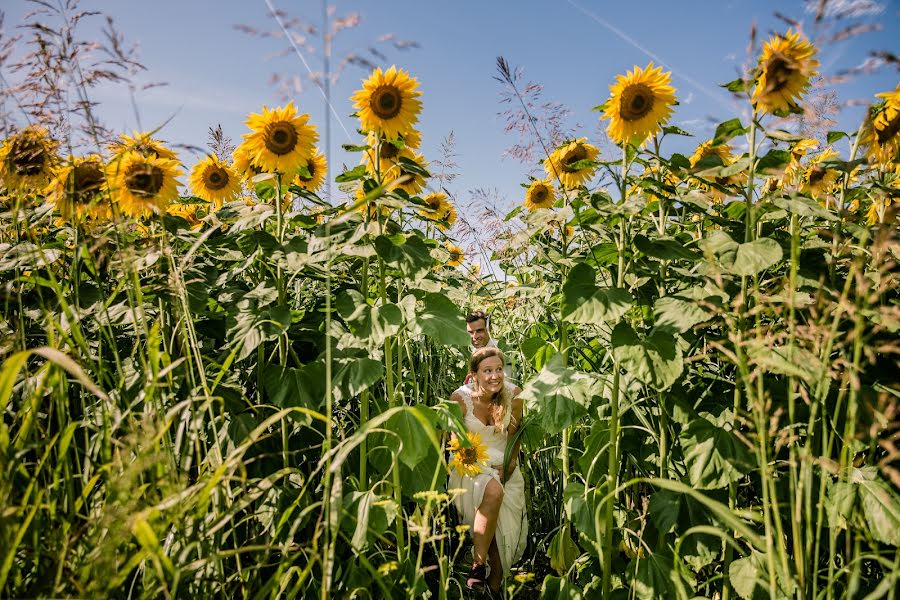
[[218, 382]]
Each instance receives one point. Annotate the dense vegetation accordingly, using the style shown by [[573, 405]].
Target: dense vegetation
[[240, 391]]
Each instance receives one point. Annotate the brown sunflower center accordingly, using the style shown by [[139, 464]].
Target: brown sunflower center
[[540, 194], [280, 137], [27, 157], [636, 102], [433, 203], [457, 256], [389, 151], [817, 174], [468, 456], [144, 180], [779, 70], [889, 130], [85, 182], [571, 157], [386, 102], [215, 178]]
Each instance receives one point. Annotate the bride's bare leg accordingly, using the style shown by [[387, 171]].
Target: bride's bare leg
[[496, 577], [486, 520]]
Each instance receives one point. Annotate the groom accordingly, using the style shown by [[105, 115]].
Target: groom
[[478, 326]]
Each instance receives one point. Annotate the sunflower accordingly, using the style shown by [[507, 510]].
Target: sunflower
[[214, 181], [242, 164], [640, 103], [388, 103], [79, 189], [437, 206], [186, 211], [563, 162], [143, 184], [798, 150], [27, 160], [723, 153], [372, 205], [656, 173], [818, 180], [447, 218], [540, 194], [785, 68], [142, 143], [456, 255], [469, 461], [280, 140], [318, 169], [881, 131], [392, 169]]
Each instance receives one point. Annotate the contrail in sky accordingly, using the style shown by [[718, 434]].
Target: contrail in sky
[[714, 95], [305, 64]]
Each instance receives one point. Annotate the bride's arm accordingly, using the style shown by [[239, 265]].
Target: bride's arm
[[457, 397], [515, 420]]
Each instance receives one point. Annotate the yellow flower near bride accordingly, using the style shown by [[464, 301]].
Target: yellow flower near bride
[[468, 461]]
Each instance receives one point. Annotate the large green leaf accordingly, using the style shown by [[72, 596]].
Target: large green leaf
[[880, 505], [366, 515], [655, 361], [584, 302], [438, 317], [370, 324], [406, 253], [714, 456], [559, 396], [749, 577], [353, 374], [562, 551], [678, 313], [287, 387], [664, 248], [251, 321], [655, 576], [670, 511], [581, 505], [560, 588], [538, 351], [748, 258]]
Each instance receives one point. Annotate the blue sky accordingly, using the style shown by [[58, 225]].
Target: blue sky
[[574, 48]]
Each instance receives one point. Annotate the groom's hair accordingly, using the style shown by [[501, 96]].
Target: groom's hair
[[476, 315]]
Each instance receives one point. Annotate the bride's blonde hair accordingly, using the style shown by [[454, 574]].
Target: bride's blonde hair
[[500, 400]]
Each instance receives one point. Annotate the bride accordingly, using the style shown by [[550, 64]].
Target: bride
[[493, 505]]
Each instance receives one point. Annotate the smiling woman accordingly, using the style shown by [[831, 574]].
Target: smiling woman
[[492, 503]]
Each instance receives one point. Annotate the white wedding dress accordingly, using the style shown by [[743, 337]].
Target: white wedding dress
[[512, 523]]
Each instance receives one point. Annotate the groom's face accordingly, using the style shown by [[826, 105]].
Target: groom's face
[[478, 332]]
